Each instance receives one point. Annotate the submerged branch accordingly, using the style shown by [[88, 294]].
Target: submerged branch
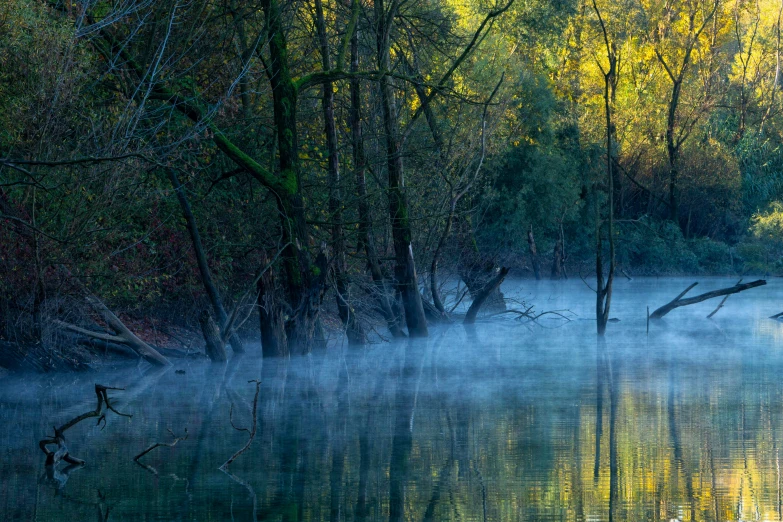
[[58, 439], [157, 445], [251, 431]]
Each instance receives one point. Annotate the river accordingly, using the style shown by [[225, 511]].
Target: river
[[507, 420]]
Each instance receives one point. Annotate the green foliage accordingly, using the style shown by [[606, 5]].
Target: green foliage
[[655, 247], [538, 179], [36, 65], [768, 225]]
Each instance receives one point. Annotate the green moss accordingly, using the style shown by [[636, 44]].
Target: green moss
[[289, 183]]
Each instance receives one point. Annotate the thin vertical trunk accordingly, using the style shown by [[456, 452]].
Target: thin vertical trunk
[[245, 52], [215, 347], [673, 152], [776, 79], [405, 266], [436, 258], [39, 292], [201, 259], [366, 239], [677, 76], [353, 329], [557, 261], [534, 261], [617, 179], [604, 289], [603, 292]]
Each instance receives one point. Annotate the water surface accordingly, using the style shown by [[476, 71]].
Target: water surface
[[504, 421]]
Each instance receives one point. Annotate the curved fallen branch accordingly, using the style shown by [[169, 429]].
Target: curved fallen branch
[[58, 439], [679, 301], [482, 296]]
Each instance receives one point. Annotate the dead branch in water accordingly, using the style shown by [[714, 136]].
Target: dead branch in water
[[722, 302], [58, 439], [527, 312], [157, 445], [679, 301], [251, 431]]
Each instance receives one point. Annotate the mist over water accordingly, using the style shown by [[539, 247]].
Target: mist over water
[[502, 421]]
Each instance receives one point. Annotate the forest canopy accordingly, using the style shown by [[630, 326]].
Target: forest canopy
[[363, 166]]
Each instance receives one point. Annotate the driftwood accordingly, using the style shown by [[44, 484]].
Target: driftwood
[[58, 439], [215, 345], [482, 296], [251, 431], [679, 301], [121, 335]]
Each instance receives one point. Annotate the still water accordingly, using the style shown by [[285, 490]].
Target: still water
[[504, 421]]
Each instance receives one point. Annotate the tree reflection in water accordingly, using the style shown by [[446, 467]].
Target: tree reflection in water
[[463, 426]]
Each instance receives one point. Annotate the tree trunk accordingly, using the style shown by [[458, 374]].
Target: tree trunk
[[366, 240], [353, 329], [405, 266], [603, 293], [535, 263], [476, 272], [201, 259], [557, 261], [214, 347], [273, 336], [436, 258], [304, 282], [482, 296]]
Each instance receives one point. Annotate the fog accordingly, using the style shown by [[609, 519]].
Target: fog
[[507, 420]]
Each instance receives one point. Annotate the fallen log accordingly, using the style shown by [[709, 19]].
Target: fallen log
[[121, 335], [102, 347], [679, 301], [482, 296]]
